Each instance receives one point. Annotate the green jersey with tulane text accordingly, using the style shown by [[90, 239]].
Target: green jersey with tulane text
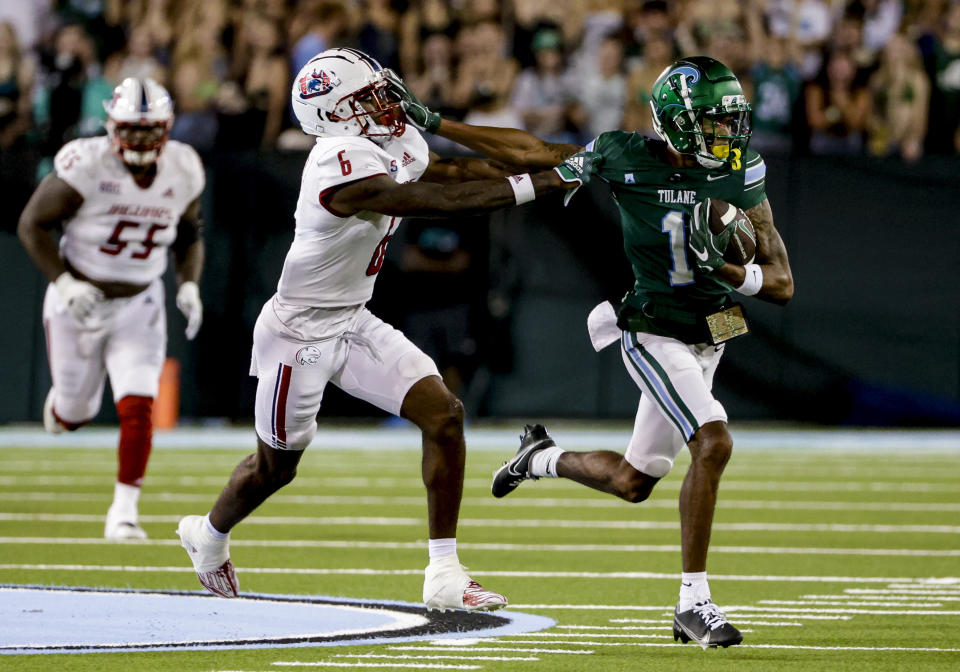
[[656, 202]]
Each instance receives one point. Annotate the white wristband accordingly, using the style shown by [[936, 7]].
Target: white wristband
[[523, 190], [752, 280]]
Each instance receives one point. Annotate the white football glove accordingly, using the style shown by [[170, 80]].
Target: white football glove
[[189, 303], [80, 296]]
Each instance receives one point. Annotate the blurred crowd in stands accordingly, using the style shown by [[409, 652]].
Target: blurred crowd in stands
[[880, 77]]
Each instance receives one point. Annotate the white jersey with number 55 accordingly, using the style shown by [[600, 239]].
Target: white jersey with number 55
[[334, 258], [122, 231]]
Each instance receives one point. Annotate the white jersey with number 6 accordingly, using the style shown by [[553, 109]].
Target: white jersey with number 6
[[122, 231], [334, 258]]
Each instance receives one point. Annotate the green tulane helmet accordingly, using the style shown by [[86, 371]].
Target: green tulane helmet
[[699, 109]]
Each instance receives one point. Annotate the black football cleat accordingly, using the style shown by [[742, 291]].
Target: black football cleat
[[517, 469], [706, 625]]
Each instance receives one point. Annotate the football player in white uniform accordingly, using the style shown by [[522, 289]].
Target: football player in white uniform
[[121, 200], [360, 178]]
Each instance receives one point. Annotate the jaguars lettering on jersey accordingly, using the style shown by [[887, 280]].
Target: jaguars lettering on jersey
[[656, 201]]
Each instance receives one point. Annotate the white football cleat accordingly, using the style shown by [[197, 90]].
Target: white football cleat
[[447, 586], [50, 422], [210, 557], [120, 527]]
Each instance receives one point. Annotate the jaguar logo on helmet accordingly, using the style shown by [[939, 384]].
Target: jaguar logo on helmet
[[318, 84]]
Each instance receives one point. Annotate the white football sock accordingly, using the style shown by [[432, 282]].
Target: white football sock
[[125, 498], [214, 532], [543, 464], [441, 548], [693, 589]]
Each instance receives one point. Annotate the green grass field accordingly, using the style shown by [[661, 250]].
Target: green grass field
[[831, 552]]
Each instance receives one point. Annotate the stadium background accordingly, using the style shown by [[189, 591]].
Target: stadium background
[[857, 114]]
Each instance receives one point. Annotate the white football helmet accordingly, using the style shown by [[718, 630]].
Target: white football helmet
[[343, 92], [139, 118]]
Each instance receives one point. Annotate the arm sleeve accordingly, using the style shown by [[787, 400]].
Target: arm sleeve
[[754, 182]]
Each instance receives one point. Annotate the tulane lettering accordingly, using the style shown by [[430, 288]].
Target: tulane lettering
[[684, 196], [139, 211]]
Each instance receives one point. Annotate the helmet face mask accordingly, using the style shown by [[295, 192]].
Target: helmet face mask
[[138, 144], [699, 109], [139, 119], [375, 107], [343, 92]]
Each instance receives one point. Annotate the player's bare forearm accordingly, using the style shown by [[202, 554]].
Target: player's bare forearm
[[190, 263], [771, 256], [507, 145], [53, 202], [425, 199], [462, 169], [188, 249], [41, 249]]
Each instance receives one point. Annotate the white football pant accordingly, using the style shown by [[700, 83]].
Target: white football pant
[[127, 341], [676, 381]]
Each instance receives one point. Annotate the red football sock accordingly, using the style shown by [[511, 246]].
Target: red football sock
[[136, 438]]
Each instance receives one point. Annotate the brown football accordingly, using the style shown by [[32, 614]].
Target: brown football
[[743, 243]]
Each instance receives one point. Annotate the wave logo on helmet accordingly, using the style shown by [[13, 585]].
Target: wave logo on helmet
[[317, 84], [692, 74]]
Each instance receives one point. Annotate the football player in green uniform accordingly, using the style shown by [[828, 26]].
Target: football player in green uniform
[[672, 326]]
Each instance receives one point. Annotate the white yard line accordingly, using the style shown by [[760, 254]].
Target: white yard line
[[893, 599], [414, 483], [383, 521], [550, 635], [848, 603], [740, 621], [899, 591], [671, 576], [437, 657], [615, 627], [571, 548], [418, 666], [517, 502], [502, 439], [487, 647], [775, 646]]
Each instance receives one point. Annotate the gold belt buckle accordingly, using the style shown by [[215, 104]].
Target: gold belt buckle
[[727, 324]]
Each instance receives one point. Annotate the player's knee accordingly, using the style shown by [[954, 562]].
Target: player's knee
[[635, 487], [273, 474], [715, 451], [283, 476], [74, 415], [445, 425]]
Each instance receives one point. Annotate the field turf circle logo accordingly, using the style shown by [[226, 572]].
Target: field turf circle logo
[[67, 619]]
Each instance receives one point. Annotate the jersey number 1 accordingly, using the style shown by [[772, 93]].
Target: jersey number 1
[[674, 225]]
